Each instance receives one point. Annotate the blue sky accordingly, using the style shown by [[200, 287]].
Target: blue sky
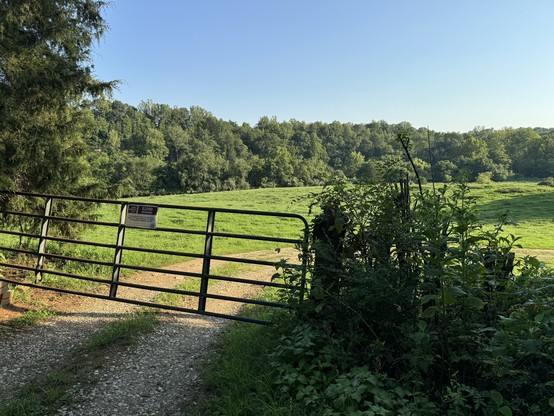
[[451, 65]]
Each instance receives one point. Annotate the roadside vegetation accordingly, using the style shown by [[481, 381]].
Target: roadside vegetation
[[239, 380], [31, 317], [26, 319], [313, 368]]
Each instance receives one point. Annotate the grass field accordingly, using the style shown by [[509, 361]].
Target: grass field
[[290, 200], [530, 208]]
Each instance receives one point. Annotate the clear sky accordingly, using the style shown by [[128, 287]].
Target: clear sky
[[451, 65]]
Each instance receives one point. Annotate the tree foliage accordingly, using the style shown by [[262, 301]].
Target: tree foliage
[[155, 148], [58, 135], [45, 72], [45, 77]]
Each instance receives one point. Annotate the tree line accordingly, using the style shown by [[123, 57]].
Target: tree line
[[158, 149]]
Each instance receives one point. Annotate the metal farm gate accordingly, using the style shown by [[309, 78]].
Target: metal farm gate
[[34, 242]]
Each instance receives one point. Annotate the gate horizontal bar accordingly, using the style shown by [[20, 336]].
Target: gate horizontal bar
[[55, 272], [146, 287], [154, 270], [55, 218], [78, 259], [19, 234], [82, 242], [177, 253], [212, 276], [141, 303], [160, 229], [231, 235], [19, 250], [172, 206], [22, 214]]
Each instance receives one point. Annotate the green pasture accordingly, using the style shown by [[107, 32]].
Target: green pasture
[[530, 210], [289, 200]]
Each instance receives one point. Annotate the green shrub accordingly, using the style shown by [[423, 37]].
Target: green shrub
[[484, 177], [547, 181], [360, 391], [411, 299]]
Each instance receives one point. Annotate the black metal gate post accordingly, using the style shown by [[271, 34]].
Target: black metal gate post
[[305, 256], [43, 238], [118, 250], [207, 260]]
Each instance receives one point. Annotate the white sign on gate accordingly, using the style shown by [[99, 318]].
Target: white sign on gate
[[141, 216]]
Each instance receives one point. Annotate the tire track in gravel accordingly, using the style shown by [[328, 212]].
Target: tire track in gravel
[[157, 376]]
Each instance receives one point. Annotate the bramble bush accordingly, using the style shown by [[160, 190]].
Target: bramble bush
[[415, 308]]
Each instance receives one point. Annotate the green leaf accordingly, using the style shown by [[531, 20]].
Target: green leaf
[[551, 402], [533, 261], [505, 410], [455, 291], [425, 299], [448, 298], [539, 318], [475, 302], [498, 351], [497, 397], [532, 345], [429, 312], [422, 325], [339, 224]]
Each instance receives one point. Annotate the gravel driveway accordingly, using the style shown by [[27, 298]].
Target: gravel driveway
[[157, 376]]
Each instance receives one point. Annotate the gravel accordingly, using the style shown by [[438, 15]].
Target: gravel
[[35, 351], [159, 375]]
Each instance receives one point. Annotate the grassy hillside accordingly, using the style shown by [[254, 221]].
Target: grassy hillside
[[530, 210]]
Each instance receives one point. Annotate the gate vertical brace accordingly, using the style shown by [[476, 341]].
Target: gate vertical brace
[[118, 250], [207, 259], [41, 250]]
